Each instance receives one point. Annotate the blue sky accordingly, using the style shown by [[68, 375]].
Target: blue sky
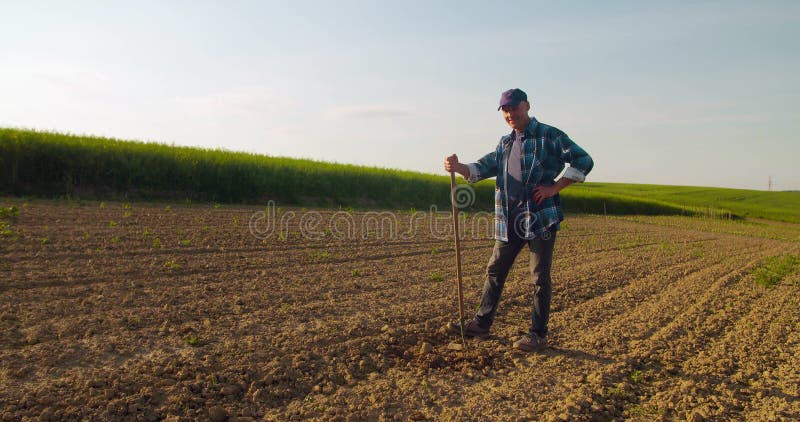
[[688, 93]]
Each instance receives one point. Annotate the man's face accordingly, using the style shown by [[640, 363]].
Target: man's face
[[517, 116]]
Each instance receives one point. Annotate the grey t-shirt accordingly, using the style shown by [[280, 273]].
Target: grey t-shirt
[[514, 183]]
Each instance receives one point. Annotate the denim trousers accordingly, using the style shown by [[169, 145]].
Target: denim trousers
[[500, 263]]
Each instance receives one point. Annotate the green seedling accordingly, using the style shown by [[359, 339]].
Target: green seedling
[[666, 247], [157, 243], [115, 239], [318, 254], [133, 321], [186, 242], [172, 265], [191, 340], [112, 223], [102, 204], [6, 212], [217, 205], [44, 241], [5, 230], [616, 392], [127, 214], [126, 206], [775, 268], [355, 273], [434, 250], [436, 276], [644, 411]]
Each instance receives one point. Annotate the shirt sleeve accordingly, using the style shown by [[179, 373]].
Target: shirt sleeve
[[484, 168], [580, 163]]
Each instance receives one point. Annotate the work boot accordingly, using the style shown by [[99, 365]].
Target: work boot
[[472, 328], [530, 342]]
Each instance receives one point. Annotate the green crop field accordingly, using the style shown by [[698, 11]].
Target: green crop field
[[781, 206], [59, 165]]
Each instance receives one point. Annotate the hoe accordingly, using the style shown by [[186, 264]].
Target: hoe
[[458, 256]]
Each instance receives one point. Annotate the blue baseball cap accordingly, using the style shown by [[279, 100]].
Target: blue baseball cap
[[512, 97]]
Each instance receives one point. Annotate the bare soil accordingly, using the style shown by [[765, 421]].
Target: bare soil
[[144, 312]]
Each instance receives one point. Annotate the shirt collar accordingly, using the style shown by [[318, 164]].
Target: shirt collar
[[531, 127], [529, 131]]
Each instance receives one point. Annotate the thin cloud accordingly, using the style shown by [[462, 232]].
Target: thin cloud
[[365, 112], [77, 81], [701, 118], [69, 78], [246, 101]]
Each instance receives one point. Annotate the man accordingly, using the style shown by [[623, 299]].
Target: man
[[527, 207]]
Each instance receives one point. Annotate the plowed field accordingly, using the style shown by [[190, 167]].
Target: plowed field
[[148, 312]]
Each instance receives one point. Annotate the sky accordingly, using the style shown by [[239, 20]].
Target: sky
[[681, 93]]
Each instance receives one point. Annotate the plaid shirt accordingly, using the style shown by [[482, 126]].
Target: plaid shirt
[[545, 150]]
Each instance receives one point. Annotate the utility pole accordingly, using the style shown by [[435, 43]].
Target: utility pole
[[769, 185]]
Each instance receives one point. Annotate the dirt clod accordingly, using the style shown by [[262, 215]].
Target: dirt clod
[[217, 414], [455, 346]]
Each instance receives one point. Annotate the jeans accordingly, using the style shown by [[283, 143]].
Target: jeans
[[500, 263]]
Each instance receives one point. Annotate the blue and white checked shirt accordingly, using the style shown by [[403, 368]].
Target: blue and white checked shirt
[[545, 151]]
